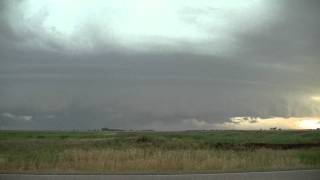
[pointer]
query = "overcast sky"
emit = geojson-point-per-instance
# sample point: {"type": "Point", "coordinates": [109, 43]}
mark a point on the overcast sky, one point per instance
{"type": "Point", "coordinates": [159, 64]}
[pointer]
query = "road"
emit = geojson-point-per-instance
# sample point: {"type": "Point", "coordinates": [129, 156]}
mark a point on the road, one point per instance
{"type": "Point", "coordinates": [275, 175]}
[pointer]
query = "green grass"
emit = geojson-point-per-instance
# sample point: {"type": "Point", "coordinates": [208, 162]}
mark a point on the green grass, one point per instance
{"type": "Point", "coordinates": [274, 137]}
{"type": "Point", "coordinates": [156, 151]}
{"type": "Point", "coordinates": [15, 135]}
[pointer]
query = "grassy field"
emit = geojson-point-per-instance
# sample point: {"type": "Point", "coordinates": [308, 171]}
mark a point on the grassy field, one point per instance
{"type": "Point", "coordinates": [158, 151]}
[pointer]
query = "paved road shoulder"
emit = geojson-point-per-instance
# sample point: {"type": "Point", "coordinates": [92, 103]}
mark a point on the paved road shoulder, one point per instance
{"type": "Point", "coordinates": [275, 175]}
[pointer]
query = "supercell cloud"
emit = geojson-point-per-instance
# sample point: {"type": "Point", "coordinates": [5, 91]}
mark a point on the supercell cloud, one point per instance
{"type": "Point", "coordinates": [165, 65]}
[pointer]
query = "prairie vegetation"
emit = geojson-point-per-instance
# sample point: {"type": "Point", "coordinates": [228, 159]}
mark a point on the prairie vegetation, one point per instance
{"type": "Point", "coordinates": [158, 151]}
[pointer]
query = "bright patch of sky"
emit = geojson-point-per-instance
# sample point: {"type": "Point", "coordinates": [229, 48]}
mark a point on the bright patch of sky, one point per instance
{"type": "Point", "coordinates": [137, 24]}
{"type": "Point", "coordinates": [255, 123]}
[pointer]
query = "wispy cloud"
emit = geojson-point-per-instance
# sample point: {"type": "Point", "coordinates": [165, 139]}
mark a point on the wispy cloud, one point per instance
{"type": "Point", "coordinates": [9, 115]}
{"type": "Point", "coordinates": [17, 117]}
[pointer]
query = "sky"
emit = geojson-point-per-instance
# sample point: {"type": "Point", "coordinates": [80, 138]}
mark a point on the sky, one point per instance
{"type": "Point", "coordinates": [159, 64]}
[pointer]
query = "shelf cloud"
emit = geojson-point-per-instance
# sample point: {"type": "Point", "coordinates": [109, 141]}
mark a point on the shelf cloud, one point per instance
{"type": "Point", "coordinates": [165, 65]}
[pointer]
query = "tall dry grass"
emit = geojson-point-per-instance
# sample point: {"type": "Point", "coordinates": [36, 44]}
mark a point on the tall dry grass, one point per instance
{"type": "Point", "coordinates": [176, 151]}
{"type": "Point", "coordinates": [174, 160]}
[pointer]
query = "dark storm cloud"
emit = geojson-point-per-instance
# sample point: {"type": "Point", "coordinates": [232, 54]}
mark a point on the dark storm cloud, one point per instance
{"type": "Point", "coordinates": [266, 75]}
{"type": "Point", "coordinates": [294, 38]}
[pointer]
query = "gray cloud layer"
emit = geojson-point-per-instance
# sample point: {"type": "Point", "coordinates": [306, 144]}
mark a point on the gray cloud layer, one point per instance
{"type": "Point", "coordinates": [272, 71]}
